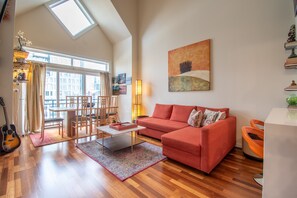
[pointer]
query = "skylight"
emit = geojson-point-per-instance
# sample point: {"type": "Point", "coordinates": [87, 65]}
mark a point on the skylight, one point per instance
{"type": "Point", "coordinates": [72, 15]}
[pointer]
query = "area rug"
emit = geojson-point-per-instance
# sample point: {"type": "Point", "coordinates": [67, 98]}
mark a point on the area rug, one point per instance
{"type": "Point", "coordinates": [49, 138]}
{"type": "Point", "coordinates": [124, 163]}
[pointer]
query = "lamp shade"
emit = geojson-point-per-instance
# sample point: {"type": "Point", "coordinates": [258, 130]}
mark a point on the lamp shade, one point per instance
{"type": "Point", "coordinates": [138, 87]}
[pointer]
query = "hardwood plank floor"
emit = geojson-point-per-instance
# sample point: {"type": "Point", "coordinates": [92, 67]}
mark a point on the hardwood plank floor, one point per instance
{"type": "Point", "coordinates": [62, 170]}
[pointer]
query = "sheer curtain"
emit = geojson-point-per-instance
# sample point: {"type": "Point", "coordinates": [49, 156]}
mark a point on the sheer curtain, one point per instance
{"type": "Point", "coordinates": [35, 88]}
{"type": "Point", "coordinates": [105, 89]}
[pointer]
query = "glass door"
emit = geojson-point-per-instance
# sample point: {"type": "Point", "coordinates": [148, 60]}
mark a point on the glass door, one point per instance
{"type": "Point", "coordinates": [70, 84]}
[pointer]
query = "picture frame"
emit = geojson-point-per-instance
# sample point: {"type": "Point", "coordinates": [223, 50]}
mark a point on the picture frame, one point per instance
{"type": "Point", "coordinates": [121, 79]}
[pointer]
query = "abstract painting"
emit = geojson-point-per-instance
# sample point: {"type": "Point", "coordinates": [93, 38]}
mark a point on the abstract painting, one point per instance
{"type": "Point", "coordinates": [189, 67]}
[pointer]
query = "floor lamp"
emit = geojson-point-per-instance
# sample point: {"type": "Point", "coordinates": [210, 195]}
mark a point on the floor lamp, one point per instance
{"type": "Point", "coordinates": [138, 96]}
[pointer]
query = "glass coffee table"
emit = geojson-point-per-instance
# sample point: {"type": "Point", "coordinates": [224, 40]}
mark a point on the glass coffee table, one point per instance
{"type": "Point", "coordinates": [119, 139]}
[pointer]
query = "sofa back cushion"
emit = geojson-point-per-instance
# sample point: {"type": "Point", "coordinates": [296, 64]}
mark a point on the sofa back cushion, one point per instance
{"type": "Point", "coordinates": [226, 110]}
{"type": "Point", "coordinates": [181, 113]}
{"type": "Point", "coordinates": [162, 111]}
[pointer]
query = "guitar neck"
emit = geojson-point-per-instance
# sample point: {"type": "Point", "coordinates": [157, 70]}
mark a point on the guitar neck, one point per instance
{"type": "Point", "coordinates": [6, 118]}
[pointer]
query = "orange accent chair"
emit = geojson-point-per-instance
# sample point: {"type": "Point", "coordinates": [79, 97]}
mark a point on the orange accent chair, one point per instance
{"type": "Point", "coordinates": [255, 139]}
{"type": "Point", "coordinates": [258, 124]}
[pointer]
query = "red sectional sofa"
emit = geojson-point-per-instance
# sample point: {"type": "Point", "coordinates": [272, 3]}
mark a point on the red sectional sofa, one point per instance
{"type": "Point", "coordinates": [202, 148]}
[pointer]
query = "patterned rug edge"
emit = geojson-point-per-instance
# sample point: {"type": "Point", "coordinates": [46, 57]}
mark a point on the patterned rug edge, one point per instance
{"type": "Point", "coordinates": [112, 172]}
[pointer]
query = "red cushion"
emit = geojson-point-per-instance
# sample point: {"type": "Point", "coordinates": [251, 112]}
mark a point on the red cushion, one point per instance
{"type": "Point", "coordinates": [187, 139]}
{"type": "Point", "coordinates": [162, 111]}
{"type": "Point", "coordinates": [161, 124]}
{"type": "Point", "coordinates": [181, 113]}
{"type": "Point", "coordinates": [226, 110]}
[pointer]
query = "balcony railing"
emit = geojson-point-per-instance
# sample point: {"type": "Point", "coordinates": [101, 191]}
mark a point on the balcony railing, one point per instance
{"type": "Point", "coordinates": [48, 103]}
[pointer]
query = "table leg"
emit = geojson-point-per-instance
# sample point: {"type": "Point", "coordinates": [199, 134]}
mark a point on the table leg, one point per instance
{"type": "Point", "coordinates": [131, 141]}
{"type": "Point", "coordinates": [70, 117]}
{"type": "Point", "coordinates": [102, 141]}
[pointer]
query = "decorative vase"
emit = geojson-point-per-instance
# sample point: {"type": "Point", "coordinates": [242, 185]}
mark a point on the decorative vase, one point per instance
{"type": "Point", "coordinates": [292, 101]}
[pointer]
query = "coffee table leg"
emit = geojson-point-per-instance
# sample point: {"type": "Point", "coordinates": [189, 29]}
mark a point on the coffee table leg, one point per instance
{"type": "Point", "coordinates": [102, 141]}
{"type": "Point", "coordinates": [131, 141]}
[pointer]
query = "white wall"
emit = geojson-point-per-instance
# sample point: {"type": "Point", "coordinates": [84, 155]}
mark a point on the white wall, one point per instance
{"type": "Point", "coordinates": [247, 53]}
{"type": "Point", "coordinates": [6, 65]}
{"type": "Point", "coordinates": [122, 56]}
{"type": "Point", "coordinates": [45, 32]}
{"type": "Point", "coordinates": [128, 11]}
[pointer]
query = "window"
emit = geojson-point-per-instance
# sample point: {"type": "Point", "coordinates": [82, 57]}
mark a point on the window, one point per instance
{"type": "Point", "coordinates": [72, 15]}
{"type": "Point", "coordinates": [92, 86]}
{"type": "Point", "coordinates": [65, 87]}
{"type": "Point", "coordinates": [78, 63]}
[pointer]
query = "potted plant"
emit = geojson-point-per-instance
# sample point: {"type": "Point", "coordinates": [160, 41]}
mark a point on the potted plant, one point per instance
{"type": "Point", "coordinates": [20, 54]}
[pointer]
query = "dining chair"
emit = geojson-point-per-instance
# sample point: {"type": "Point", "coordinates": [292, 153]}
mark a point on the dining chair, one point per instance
{"type": "Point", "coordinates": [258, 124]}
{"type": "Point", "coordinates": [71, 101]}
{"type": "Point", "coordinates": [46, 123]}
{"type": "Point", "coordinates": [101, 111]}
{"type": "Point", "coordinates": [82, 115]}
{"type": "Point", "coordinates": [255, 139]}
{"type": "Point", "coordinates": [113, 115]}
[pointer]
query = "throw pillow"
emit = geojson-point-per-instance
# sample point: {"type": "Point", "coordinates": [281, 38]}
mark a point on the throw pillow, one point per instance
{"type": "Point", "coordinates": [221, 116]}
{"type": "Point", "coordinates": [226, 110]}
{"type": "Point", "coordinates": [195, 118]}
{"type": "Point", "coordinates": [209, 117]}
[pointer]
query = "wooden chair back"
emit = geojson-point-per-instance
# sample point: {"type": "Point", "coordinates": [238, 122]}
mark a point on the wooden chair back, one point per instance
{"type": "Point", "coordinates": [71, 101]}
{"type": "Point", "coordinates": [113, 108]}
{"type": "Point", "coordinates": [102, 110]}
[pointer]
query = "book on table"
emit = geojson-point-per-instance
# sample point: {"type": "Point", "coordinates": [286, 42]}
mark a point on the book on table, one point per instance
{"type": "Point", "coordinates": [122, 125]}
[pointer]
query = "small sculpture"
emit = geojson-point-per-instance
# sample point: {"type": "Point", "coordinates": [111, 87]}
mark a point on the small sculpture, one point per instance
{"type": "Point", "coordinates": [291, 34]}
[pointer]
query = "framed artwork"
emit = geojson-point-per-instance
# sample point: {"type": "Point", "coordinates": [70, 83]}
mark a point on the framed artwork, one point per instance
{"type": "Point", "coordinates": [115, 90]}
{"type": "Point", "coordinates": [114, 80]}
{"type": "Point", "coordinates": [189, 67]}
{"type": "Point", "coordinates": [121, 79]}
{"type": "Point", "coordinates": [123, 89]}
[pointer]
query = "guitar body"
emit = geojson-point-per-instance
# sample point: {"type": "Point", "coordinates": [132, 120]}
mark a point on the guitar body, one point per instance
{"type": "Point", "coordinates": [9, 138]}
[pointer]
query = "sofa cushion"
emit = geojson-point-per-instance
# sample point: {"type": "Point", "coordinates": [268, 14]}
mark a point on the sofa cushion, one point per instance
{"type": "Point", "coordinates": [161, 124]}
{"type": "Point", "coordinates": [186, 139]}
{"type": "Point", "coordinates": [162, 111]}
{"type": "Point", "coordinates": [181, 113]}
{"type": "Point", "coordinates": [195, 118]}
{"type": "Point", "coordinates": [226, 110]}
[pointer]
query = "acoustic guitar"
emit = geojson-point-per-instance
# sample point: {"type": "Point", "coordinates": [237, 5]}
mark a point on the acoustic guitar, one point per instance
{"type": "Point", "coordinates": [9, 139]}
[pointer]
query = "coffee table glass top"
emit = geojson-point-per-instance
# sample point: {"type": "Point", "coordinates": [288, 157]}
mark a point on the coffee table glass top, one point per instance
{"type": "Point", "coordinates": [119, 139]}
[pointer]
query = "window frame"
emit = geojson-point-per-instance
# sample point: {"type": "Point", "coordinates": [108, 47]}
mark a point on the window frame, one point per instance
{"type": "Point", "coordinates": [82, 8]}
{"type": "Point", "coordinates": [68, 67]}
{"type": "Point", "coordinates": [58, 70]}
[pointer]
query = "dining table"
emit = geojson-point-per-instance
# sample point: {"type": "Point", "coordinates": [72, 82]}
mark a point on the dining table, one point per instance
{"type": "Point", "coordinates": [70, 116]}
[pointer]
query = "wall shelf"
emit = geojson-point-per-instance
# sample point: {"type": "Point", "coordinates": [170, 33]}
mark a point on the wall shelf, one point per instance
{"type": "Point", "coordinates": [21, 65]}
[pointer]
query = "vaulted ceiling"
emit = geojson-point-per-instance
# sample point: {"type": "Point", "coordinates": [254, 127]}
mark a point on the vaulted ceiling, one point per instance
{"type": "Point", "coordinates": [103, 12]}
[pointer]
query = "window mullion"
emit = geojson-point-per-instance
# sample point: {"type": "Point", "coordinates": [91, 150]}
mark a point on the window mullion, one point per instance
{"type": "Point", "coordinates": [58, 88]}
{"type": "Point", "coordinates": [84, 83]}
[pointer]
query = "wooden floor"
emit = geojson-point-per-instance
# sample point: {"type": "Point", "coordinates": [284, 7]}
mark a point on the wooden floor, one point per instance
{"type": "Point", "coordinates": [62, 170]}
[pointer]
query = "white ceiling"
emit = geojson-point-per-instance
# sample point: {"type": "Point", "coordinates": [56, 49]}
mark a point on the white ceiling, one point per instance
{"type": "Point", "coordinates": [103, 12]}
